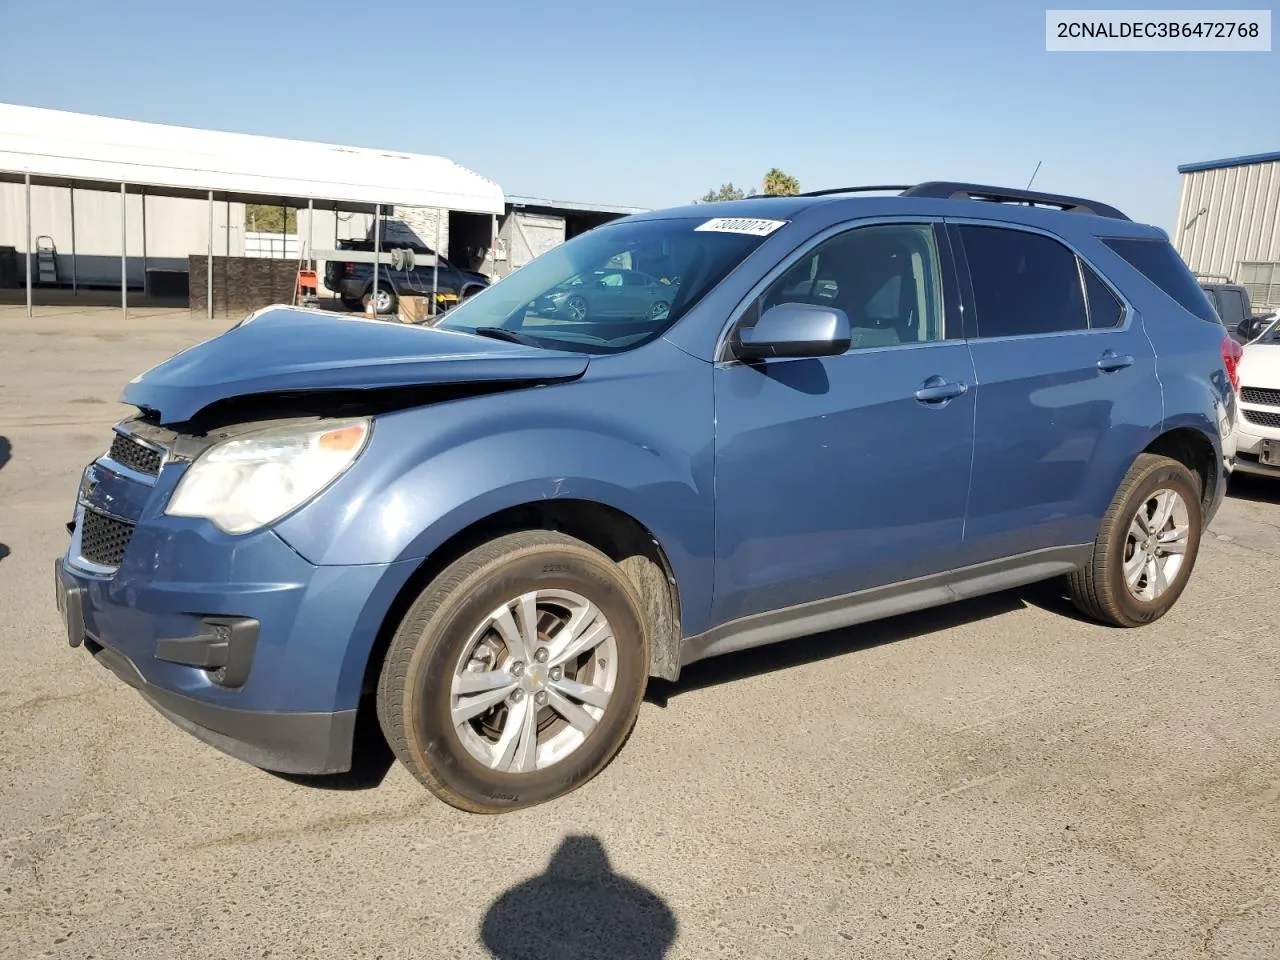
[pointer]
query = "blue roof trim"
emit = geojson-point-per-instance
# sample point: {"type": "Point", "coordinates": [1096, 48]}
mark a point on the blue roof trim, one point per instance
{"type": "Point", "coordinates": [1229, 162]}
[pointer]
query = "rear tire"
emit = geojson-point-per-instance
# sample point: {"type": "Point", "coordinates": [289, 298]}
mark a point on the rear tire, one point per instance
{"type": "Point", "coordinates": [464, 640]}
{"type": "Point", "coordinates": [1146, 546]}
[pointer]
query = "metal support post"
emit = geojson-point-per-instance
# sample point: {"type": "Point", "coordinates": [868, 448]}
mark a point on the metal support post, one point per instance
{"type": "Point", "coordinates": [311, 216]}
{"type": "Point", "coordinates": [124, 253]}
{"type": "Point", "coordinates": [435, 268]}
{"type": "Point", "coordinates": [145, 291]}
{"type": "Point", "coordinates": [377, 251]}
{"type": "Point", "coordinates": [27, 180]}
{"type": "Point", "coordinates": [209, 264]}
{"type": "Point", "coordinates": [74, 269]}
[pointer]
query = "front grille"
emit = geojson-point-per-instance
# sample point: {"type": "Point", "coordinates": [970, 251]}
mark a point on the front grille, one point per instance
{"type": "Point", "coordinates": [103, 539]}
{"type": "Point", "coordinates": [1270, 398]}
{"type": "Point", "coordinates": [128, 452]}
{"type": "Point", "coordinates": [1262, 418]}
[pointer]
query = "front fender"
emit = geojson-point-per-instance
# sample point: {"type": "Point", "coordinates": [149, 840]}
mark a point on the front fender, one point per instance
{"type": "Point", "coordinates": [640, 444]}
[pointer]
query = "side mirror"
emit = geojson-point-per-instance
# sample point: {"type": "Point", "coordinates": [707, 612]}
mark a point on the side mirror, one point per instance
{"type": "Point", "coordinates": [795, 330]}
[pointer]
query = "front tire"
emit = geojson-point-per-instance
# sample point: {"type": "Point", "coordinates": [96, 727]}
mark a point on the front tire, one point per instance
{"type": "Point", "coordinates": [386, 304]}
{"type": "Point", "coordinates": [517, 674]}
{"type": "Point", "coordinates": [1146, 546]}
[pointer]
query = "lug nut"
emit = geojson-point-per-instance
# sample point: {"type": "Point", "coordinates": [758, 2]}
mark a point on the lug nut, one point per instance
{"type": "Point", "coordinates": [517, 696]}
{"type": "Point", "coordinates": [540, 698]}
{"type": "Point", "coordinates": [556, 674]}
{"type": "Point", "coordinates": [541, 655]}
{"type": "Point", "coordinates": [517, 668]}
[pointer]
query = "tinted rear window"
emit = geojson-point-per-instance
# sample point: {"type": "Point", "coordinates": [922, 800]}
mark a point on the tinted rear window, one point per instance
{"type": "Point", "coordinates": [1159, 262]}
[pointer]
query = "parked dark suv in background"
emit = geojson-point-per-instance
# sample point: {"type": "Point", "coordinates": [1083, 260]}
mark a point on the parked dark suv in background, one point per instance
{"type": "Point", "coordinates": [353, 281]}
{"type": "Point", "coordinates": [491, 532]}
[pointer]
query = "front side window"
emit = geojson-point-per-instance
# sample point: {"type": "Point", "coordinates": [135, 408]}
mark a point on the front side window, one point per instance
{"type": "Point", "coordinates": [1023, 283]}
{"type": "Point", "coordinates": [609, 289]}
{"type": "Point", "coordinates": [884, 277]}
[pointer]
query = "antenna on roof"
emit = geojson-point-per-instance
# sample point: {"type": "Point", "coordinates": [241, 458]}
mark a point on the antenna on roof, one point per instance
{"type": "Point", "coordinates": [1033, 174]}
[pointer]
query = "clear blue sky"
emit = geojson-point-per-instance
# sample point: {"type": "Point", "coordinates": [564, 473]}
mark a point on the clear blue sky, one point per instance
{"type": "Point", "coordinates": [653, 102]}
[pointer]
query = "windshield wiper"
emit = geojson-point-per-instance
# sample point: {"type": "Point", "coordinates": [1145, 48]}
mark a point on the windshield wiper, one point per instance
{"type": "Point", "coordinates": [502, 333]}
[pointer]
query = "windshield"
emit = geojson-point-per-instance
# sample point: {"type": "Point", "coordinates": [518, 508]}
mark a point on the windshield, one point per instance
{"type": "Point", "coordinates": [609, 289]}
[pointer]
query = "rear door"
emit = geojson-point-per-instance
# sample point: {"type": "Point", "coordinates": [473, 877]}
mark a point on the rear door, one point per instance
{"type": "Point", "coordinates": [1066, 387]}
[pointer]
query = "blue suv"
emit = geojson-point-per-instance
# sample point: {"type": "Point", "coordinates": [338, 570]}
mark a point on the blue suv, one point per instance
{"type": "Point", "coordinates": [493, 531]}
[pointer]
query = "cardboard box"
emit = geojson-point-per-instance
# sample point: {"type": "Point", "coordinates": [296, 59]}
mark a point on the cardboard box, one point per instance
{"type": "Point", "coordinates": [414, 309]}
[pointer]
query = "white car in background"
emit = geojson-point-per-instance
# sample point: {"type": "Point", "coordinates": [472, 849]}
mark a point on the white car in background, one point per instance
{"type": "Point", "coordinates": [1257, 432]}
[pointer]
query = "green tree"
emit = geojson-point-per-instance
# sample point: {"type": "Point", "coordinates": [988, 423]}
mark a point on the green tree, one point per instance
{"type": "Point", "coordinates": [779, 184]}
{"type": "Point", "coordinates": [265, 218]}
{"type": "Point", "coordinates": [727, 191]}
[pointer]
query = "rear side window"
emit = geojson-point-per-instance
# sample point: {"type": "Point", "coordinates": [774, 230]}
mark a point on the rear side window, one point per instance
{"type": "Point", "coordinates": [1159, 262]}
{"type": "Point", "coordinates": [1232, 311]}
{"type": "Point", "coordinates": [1023, 283]}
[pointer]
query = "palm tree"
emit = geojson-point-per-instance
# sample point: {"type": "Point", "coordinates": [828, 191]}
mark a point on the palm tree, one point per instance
{"type": "Point", "coordinates": [779, 184]}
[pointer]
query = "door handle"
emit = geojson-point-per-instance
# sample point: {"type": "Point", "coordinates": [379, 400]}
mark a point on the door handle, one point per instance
{"type": "Point", "coordinates": [1111, 361]}
{"type": "Point", "coordinates": [936, 390]}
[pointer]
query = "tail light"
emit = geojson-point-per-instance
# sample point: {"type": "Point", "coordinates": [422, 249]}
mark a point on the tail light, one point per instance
{"type": "Point", "coordinates": [1231, 354]}
{"type": "Point", "coordinates": [348, 269]}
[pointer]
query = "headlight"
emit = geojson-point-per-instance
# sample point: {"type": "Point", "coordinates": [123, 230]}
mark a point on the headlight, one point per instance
{"type": "Point", "coordinates": [246, 483]}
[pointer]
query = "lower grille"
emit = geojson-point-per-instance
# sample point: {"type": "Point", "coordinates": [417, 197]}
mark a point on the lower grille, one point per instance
{"type": "Point", "coordinates": [104, 539]}
{"type": "Point", "coordinates": [1262, 395]}
{"type": "Point", "coordinates": [1262, 418]}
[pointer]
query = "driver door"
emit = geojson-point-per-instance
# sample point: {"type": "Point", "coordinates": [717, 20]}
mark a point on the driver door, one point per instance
{"type": "Point", "coordinates": [838, 474]}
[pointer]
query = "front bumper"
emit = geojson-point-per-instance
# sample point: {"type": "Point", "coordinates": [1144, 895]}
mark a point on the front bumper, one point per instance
{"type": "Point", "coordinates": [1249, 450]}
{"type": "Point", "coordinates": [286, 742]}
{"type": "Point", "coordinates": [238, 641]}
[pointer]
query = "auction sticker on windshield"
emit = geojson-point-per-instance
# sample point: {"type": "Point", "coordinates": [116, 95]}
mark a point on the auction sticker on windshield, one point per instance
{"type": "Point", "coordinates": [756, 228]}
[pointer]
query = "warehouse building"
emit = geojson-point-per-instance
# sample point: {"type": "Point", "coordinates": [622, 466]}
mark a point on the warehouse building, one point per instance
{"type": "Point", "coordinates": [102, 209]}
{"type": "Point", "coordinates": [1228, 225]}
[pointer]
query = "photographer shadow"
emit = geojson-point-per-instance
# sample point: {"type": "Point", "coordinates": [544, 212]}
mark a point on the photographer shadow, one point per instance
{"type": "Point", "coordinates": [579, 909]}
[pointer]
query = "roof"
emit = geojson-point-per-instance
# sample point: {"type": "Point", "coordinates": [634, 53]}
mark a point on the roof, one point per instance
{"type": "Point", "coordinates": [1229, 162]}
{"type": "Point", "coordinates": [571, 205]}
{"type": "Point", "coordinates": [61, 149]}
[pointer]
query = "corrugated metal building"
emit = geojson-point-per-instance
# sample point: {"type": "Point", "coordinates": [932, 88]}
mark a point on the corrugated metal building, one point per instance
{"type": "Point", "coordinates": [1229, 222]}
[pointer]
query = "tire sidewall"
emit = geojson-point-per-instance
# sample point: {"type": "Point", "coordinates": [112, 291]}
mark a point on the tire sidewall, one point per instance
{"type": "Point", "coordinates": [430, 734]}
{"type": "Point", "coordinates": [1170, 475]}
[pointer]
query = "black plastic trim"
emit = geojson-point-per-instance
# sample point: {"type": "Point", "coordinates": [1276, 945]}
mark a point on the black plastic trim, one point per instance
{"type": "Point", "coordinates": [950, 190]}
{"type": "Point", "coordinates": [890, 600]}
{"type": "Point", "coordinates": [225, 649]}
{"type": "Point", "coordinates": [299, 743]}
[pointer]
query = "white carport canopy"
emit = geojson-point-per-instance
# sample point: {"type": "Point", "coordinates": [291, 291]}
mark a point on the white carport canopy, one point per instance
{"type": "Point", "coordinates": [81, 151]}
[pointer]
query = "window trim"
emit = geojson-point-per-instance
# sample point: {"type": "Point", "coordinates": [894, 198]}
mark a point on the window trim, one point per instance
{"type": "Point", "coordinates": [968, 299]}
{"type": "Point", "coordinates": [946, 265]}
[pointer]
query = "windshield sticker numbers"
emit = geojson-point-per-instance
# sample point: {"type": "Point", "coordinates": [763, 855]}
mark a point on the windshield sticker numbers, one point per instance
{"type": "Point", "coordinates": [747, 225]}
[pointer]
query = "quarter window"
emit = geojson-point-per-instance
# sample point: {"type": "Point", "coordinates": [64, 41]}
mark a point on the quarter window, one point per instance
{"type": "Point", "coordinates": [1104, 309]}
{"type": "Point", "coordinates": [1023, 283]}
{"type": "Point", "coordinates": [885, 278]}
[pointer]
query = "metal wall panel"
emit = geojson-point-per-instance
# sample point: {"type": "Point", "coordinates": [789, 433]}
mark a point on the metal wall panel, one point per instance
{"type": "Point", "coordinates": [1227, 216]}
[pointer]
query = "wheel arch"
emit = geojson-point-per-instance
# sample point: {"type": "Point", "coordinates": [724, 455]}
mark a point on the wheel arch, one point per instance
{"type": "Point", "coordinates": [613, 532]}
{"type": "Point", "coordinates": [1190, 446]}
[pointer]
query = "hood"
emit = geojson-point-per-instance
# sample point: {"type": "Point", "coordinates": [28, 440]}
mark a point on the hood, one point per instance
{"type": "Point", "coordinates": [287, 351]}
{"type": "Point", "coordinates": [1260, 365]}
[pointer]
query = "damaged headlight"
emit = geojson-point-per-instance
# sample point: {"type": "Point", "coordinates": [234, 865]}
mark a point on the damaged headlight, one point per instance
{"type": "Point", "coordinates": [247, 482]}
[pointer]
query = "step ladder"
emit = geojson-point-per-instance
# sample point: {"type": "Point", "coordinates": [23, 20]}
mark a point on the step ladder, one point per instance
{"type": "Point", "coordinates": [46, 260]}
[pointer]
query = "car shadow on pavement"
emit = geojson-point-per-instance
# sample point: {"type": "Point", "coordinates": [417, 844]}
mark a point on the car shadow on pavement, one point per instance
{"type": "Point", "coordinates": [1244, 486]}
{"type": "Point", "coordinates": [835, 643]}
{"type": "Point", "coordinates": [579, 908]}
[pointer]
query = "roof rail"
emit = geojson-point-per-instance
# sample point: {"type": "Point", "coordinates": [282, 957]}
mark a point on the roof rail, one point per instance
{"type": "Point", "coordinates": [947, 190]}
{"type": "Point", "coordinates": [832, 190]}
